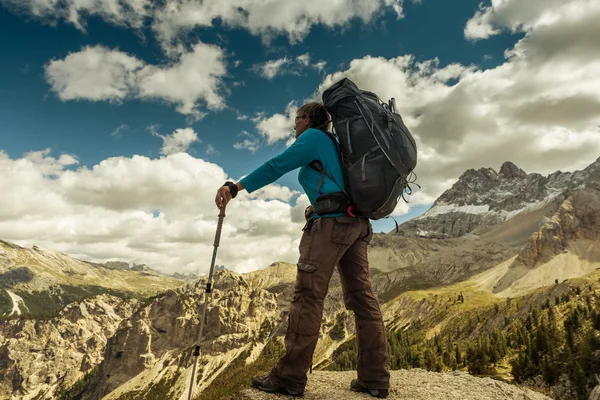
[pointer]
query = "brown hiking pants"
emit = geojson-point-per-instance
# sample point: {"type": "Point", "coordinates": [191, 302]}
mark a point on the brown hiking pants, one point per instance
{"type": "Point", "coordinates": [328, 242]}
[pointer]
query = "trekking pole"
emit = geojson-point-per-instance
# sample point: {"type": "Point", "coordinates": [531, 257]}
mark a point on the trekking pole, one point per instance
{"type": "Point", "coordinates": [206, 295]}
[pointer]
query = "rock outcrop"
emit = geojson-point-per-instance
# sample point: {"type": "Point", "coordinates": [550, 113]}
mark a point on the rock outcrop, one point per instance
{"type": "Point", "coordinates": [39, 357]}
{"type": "Point", "coordinates": [414, 384]}
{"type": "Point", "coordinates": [578, 218]}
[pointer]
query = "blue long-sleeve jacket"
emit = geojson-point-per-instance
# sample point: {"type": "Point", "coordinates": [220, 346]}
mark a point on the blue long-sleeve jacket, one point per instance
{"type": "Point", "coordinates": [312, 144]}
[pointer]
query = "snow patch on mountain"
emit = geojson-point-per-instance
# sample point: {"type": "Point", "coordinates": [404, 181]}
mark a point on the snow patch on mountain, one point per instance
{"type": "Point", "coordinates": [16, 301]}
{"type": "Point", "coordinates": [441, 209]}
{"type": "Point", "coordinates": [448, 208]}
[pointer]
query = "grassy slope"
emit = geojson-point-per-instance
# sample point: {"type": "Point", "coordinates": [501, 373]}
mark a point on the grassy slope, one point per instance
{"type": "Point", "coordinates": [49, 280]}
{"type": "Point", "coordinates": [423, 315]}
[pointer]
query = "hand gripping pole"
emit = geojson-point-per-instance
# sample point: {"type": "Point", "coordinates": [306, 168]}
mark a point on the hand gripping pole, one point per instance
{"type": "Point", "coordinates": [206, 297]}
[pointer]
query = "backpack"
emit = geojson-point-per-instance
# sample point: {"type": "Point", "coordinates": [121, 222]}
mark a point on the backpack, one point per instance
{"type": "Point", "coordinates": [377, 151]}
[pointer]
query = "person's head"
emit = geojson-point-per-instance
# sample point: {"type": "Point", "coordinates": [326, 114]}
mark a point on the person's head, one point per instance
{"type": "Point", "coordinates": [311, 115]}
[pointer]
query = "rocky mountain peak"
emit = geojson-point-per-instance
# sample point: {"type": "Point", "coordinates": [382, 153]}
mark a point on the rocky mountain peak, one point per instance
{"type": "Point", "coordinates": [511, 171]}
{"type": "Point", "coordinates": [482, 199]}
{"type": "Point", "coordinates": [481, 174]}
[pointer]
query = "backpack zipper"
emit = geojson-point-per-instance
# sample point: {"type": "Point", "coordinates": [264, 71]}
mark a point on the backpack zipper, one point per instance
{"type": "Point", "coordinates": [348, 134]}
{"type": "Point", "coordinates": [364, 173]}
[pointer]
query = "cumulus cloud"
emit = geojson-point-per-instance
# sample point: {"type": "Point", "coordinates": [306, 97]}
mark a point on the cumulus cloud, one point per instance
{"type": "Point", "coordinates": [101, 74]}
{"type": "Point", "coordinates": [248, 144]}
{"type": "Point", "coordinates": [251, 143]}
{"type": "Point", "coordinates": [274, 192]}
{"type": "Point", "coordinates": [170, 20]}
{"type": "Point", "coordinates": [94, 73]}
{"type": "Point", "coordinates": [177, 142]}
{"type": "Point", "coordinates": [265, 19]}
{"type": "Point", "coordinates": [304, 59]}
{"type": "Point", "coordinates": [270, 69]}
{"type": "Point", "coordinates": [137, 209]}
{"type": "Point", "coordinates": [131, 13]}
{"type": "Point", "coordinates": [525, 16]}
{"type": "Point", "coordinates": [277, 127]}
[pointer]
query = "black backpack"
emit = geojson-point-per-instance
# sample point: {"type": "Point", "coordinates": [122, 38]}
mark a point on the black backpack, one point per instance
{"type": "Point", "coordinates": [378, 152]}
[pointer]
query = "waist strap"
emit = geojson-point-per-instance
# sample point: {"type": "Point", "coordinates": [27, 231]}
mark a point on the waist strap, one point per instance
{"type": "Point", "coordinates": [332, 203]}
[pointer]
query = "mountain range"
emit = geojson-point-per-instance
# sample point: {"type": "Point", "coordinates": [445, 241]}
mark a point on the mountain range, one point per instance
{"type": "Point", "coordinates": [492, 249]}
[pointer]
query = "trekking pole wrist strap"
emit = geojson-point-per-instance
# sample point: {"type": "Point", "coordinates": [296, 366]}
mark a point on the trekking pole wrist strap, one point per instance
{"type": "Point", "coordinates": [232, 188]}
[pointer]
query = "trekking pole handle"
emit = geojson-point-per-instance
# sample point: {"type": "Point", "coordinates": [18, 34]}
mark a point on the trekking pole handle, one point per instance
{"type": "Point", "coordinates": [219, 226]}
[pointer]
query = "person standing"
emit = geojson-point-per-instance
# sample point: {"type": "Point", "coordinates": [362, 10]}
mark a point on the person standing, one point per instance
{"type": "Point", "coordinates": [328, 240]}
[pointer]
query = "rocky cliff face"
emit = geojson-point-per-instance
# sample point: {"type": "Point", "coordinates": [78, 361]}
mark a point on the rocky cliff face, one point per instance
{"type": "Point", "coordinates": [566, 245]}
{"type": "Point", "coordinates": [57, 314]}
{"type": "Point", "coordinates": [152, 351]}
{"type": "Point", "coordinates": [482, 199]}
{"type": "Point", "coordinates": [577, 219]}
{"type": "Point", "coordinates": [39, 357]}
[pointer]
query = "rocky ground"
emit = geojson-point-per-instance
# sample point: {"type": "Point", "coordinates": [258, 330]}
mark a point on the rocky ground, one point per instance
{"type": "Point", "coordinates": [414, 384]}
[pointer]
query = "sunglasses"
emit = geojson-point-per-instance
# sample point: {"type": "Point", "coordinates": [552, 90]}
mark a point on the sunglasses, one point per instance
{"type": "Point", "coordinates": [300, 116]}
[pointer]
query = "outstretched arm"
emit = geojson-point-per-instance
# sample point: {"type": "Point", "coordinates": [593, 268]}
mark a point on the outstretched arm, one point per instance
{"type": "Point", "coordinates": [300, 153]}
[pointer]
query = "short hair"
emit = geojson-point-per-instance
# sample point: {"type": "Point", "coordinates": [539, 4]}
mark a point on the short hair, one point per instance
{"type": "Point", "coordinates": [319, 117]}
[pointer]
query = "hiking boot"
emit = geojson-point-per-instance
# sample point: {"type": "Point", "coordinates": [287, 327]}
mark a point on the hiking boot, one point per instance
{"type": "Point", "coordinates": [264, 384]}
{"type": "Point", "coordinates": [358, 386]}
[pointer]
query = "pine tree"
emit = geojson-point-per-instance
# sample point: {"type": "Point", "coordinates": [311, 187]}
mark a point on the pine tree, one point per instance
{"type": "Point", "coordinates": [457, 356]}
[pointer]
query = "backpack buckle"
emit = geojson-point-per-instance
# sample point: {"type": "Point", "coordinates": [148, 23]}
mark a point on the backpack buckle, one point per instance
{"type": "Point", "coordinates": [349, 211]}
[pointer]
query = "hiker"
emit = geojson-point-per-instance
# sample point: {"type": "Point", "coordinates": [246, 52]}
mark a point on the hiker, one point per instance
{"type": "Point", "coordinates": [336, 238]}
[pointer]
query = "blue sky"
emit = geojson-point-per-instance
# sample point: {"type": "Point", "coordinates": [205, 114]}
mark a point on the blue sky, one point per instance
{"type": "Point", "coordinates": [47, 98]}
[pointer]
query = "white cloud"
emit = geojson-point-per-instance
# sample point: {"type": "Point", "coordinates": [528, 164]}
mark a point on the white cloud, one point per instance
{"type": "Point", "coordinates": [101, 74]}
{"type": "Point", "coordinates": [517, 15]}
{"type": "Point", "coordinates": [397, 6]}
{"type": "Point", "coordinates": [279, 126]}
{"type": "Point", "coordinates": [120, 128]}
{"type": "Point", "coordinates": [94, 73]}
{"type": "Point", "coordinates": [196, 76]}
{"type": "Point", "coordinates": [479, 26]}
{"type": "Point", "coordinates": [241, 117]}
{"type": "Point", "coordinates": [320, 65]}
{"type": "Point", "coordinates": [248, 144]}
{"type": "Point", "coordinates": [210, 150]}
{"type": "Point", "coordinates": [177, 142]}
{"type": "Point", "coordinates": [173, 19]}
{"type": "Point", "coordinates": [297, 212]}
{"type": "Point", "coordinates": [107, 212]}
{"type": "Point", "coordinates": [304, 59]}
{"type": "Point", "coordinates": [286, 66]}
{"type": "Point", "coordinates": [131, 13]}
{"type": "Point", "coordinates": [274, 192]}
{"type": "Point", "coordinates": [270, 69]}
{"type": "Point", "coordinates": [268, 19]}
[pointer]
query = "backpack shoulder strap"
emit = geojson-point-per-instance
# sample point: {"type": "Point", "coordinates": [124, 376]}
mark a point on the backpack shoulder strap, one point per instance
{"type": "Point", "coordinates": [316, 165]}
